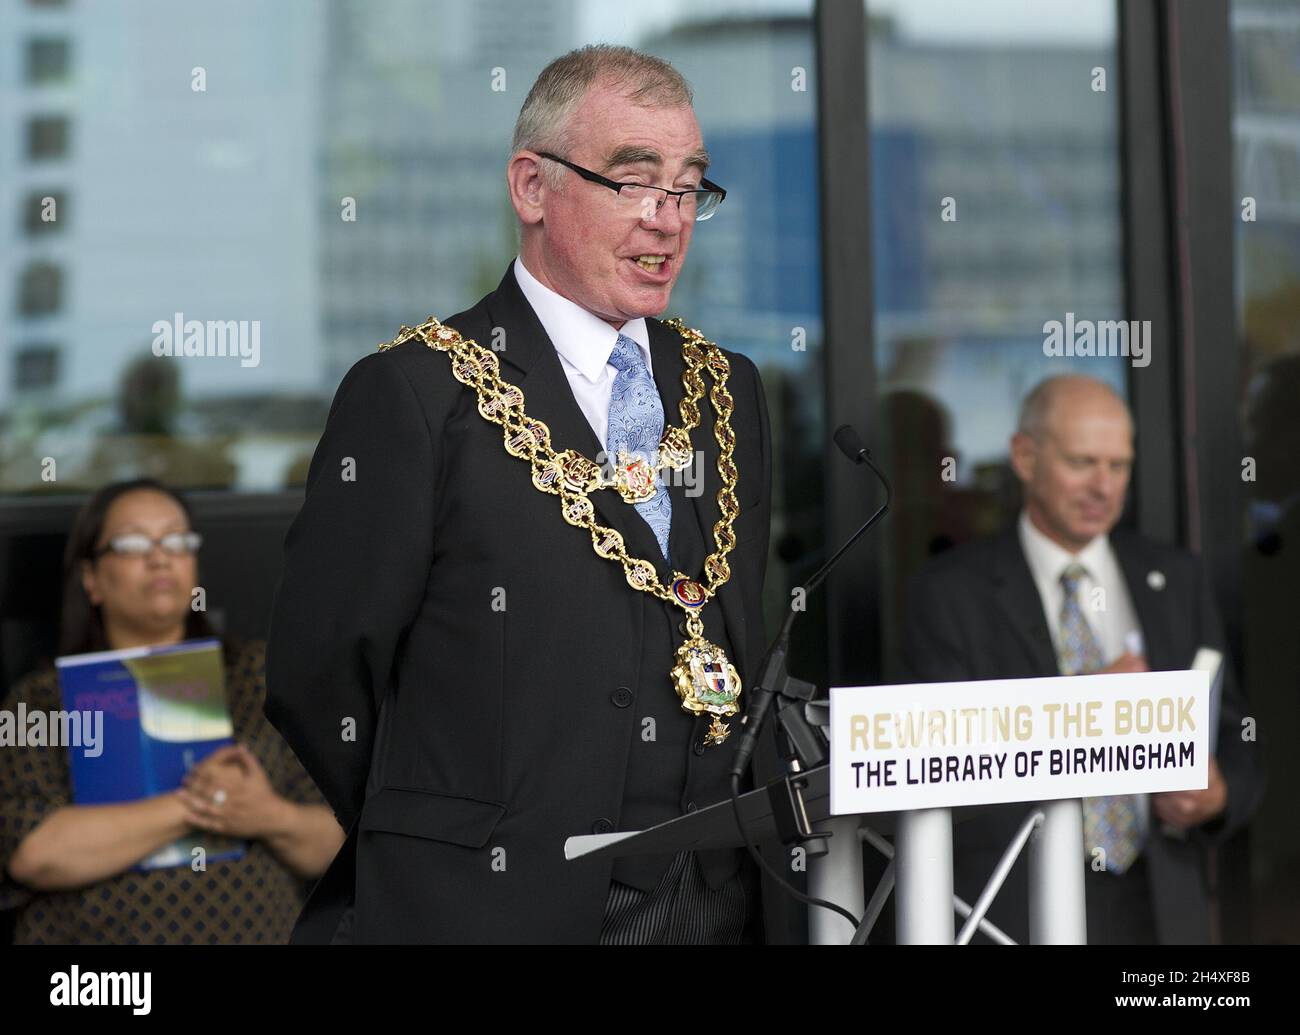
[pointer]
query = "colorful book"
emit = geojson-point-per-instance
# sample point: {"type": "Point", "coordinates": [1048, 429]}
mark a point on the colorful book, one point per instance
{"type": "Point", "coordinates": [164, 710]}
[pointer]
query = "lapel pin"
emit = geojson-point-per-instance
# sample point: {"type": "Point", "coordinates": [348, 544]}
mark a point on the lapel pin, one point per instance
{"type": "Point", "coordinates": [1156, 580]}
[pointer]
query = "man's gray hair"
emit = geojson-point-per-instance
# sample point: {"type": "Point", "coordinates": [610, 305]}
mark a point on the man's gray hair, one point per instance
{"type": "Point", "coordinates": [543, 123]}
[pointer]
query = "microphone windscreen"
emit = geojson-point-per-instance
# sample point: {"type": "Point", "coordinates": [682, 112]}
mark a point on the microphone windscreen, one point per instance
{"type": "Point", "coordinates": [849, 442]}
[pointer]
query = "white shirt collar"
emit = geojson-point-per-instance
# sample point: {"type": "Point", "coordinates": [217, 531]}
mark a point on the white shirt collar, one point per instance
{"type": "Point", "coordinates": [1048, 559]}
{"type": "Point", "coordinates": [580, 337]}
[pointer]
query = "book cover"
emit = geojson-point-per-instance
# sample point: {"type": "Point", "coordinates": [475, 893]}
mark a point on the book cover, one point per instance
{"type": "Point", "coordinates": [164, 710]}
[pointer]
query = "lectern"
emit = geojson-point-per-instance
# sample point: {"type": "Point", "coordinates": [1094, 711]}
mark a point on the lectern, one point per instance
{"type": "Point", "coordinates": [920, 864]}
{"type": "Point", "coordinates": [912, 760]}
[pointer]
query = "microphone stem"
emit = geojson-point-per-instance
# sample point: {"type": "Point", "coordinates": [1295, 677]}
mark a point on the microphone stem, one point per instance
{"type": "Point", "coordinates": [771, 683]}
{"type": "Point", "coordinates": [815, 579]}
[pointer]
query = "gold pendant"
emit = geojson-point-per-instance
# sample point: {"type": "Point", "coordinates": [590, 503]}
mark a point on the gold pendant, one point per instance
{"type": "Point", "coordinates": [706, 680]}
{"type": "Point", "coordinates": [633, 478]}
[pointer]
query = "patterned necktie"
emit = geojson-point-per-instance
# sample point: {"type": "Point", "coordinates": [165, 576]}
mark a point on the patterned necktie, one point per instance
{"type": "Point", "coordinates": [1111, 822]}
{"type": "Point", "coordinates": [636, 423]}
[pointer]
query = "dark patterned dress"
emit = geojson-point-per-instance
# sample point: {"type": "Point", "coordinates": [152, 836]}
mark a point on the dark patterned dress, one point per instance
{"type": "Point", "coordinates": [252, 899]}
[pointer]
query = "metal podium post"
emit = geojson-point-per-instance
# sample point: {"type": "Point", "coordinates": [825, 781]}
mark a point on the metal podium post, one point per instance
{"type": "Point", "coordinates": [923, 864]}
{"type": "Point", "coordinates": [836, 877]}
{"type": "Point", "coordinates": [1057, 910]}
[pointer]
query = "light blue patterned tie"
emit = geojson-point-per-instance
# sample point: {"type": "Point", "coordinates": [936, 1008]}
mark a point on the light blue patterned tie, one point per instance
{"type": "Point", "coordinates": [1111, 823]}
{"type": "Point", "coordinates": [636, 423]}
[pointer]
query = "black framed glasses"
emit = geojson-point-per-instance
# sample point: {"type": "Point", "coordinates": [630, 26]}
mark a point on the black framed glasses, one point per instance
{"type": "Point", "coordinates": [697, 203]}
{"type": "Point", "coordinates": [137, 544]}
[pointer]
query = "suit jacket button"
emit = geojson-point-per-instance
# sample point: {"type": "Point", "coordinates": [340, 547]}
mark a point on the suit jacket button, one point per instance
{"type": "Point", "coordinates": [681, 628]}
{"type": "Point", "coordinates": [698, 747]}
{"type": "Point", "coordinates": [602, 826]}
{"type": "Point", "coordinates": [621, 697]}
{"type": "Point", "coordinates": [691, 806]}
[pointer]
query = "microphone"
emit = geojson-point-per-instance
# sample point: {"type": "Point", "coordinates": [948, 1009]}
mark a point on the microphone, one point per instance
{"type": "Point", "coordinates": [850, 443]}
{"type": "Point", "coordinates": [773, 677]}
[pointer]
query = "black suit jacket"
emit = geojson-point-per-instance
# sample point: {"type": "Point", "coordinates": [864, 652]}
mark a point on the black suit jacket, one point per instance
{"type": "Point", "coordinates": [445, 649]}
{"type": "Point", "coordinates": [975, 613]}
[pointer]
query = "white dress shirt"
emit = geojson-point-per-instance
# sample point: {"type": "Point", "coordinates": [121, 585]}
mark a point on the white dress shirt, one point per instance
{"type": "Point", "coordinates": [585, 342]}
{"type": "Point", "coordinates": [1114, 624]}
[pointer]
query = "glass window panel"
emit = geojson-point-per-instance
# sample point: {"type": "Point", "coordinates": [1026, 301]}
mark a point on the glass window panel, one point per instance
{"type": "Point", "coordinates": [1266, 132]}
{"type": "Point", "coordinates": [47, 137]}
{"type": "Point", "coordinates": [995, 210]}
{"type": "Point", "coordinates": [48, 60]}
{"type": "Point", "coordinates": [36, 367]}
{"type": "Point", "coordinates": [40, 290]}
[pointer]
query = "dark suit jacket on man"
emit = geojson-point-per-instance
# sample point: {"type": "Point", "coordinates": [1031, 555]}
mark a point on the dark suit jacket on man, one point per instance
{"type": "Point", "coordinates": [975, 613]}
{"type": "Point", "coordinates": [480, 737]}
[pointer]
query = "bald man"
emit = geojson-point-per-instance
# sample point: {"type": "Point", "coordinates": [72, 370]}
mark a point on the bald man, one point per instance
{"type": "Point", "coordinates": [1020, 604]}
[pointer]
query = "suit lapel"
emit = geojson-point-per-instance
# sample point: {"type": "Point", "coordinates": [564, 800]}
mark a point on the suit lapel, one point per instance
{"type": "Point", "coordinates": [1017, 595]}
{"type": "Point", "coordinates": [1152, 610]}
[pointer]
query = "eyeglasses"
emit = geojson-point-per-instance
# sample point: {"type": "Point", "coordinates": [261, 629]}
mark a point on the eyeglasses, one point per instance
{"type": "Point", "coordinates": [697, 204]}
{"type": "Point", "coordinates": [137, 544]}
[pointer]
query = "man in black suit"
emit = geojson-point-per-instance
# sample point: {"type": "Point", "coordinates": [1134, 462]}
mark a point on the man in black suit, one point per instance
{"type": "Point", "coordinates": [467, 680]}
{"type": "Point", "coordinates": [1064, 591]}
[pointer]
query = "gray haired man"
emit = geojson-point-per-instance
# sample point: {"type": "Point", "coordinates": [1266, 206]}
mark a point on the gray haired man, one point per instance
{"type": "Point", "coordinates": [526, 626]}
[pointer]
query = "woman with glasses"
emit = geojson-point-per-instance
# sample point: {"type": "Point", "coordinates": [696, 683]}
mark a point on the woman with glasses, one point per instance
{"type": "Point", "coordinates": [130, 570]}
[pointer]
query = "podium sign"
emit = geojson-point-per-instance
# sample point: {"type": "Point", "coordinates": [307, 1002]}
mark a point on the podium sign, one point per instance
{"type": "Point", "coordinates": [937, 745]}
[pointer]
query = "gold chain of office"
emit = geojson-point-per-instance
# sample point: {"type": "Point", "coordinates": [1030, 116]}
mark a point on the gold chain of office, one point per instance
{"type": "Point", "coordinates": [703, 676]}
